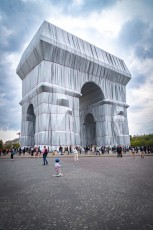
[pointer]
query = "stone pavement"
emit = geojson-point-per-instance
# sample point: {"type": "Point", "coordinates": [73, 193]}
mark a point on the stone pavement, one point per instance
{"type": "Point", "coordinates": [89, 154]}
{"type": "Point", "coordinates": [107, 193]}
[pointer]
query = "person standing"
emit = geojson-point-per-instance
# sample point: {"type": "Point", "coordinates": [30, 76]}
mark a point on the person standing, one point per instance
{"type": "Point", "coordinates": [39, 152]}
{"type": "Point", "coordinates": [60, 150]}
{"type": "Point", "coordinates": [102, 149]}
{"type": "Point", "coordinates": [70, 149]}
{"type": "Point", "coordinates": [119, 151]}
{"type": "Point", "coordinates": [76, 154]}
{"type": "Point", "coordinates": [45, 152]}
{"type": "Point", "coordinates": [97, 150]}
{"type": "Point", "coordinates": [36, 152]}
{"type": "Point", "coordinates": [133, 152]}
{"type": "Point", "coordinates": [20, 151]}
{"type": "Point", "coordinates": [57, 167]}
{"type": "Point", "coordinates": [12, 153]}
{"type": "Point", "coordinates": [142, 152]}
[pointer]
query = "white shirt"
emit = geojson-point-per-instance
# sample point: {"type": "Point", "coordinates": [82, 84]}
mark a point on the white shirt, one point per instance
{"type": "Point", "coordinates": [75, 151]}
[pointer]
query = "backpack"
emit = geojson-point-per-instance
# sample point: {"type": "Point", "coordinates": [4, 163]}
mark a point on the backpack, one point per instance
{"type": "Point", "coordinates": [46, 151]}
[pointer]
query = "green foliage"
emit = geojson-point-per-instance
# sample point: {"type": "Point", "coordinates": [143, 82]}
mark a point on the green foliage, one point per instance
{"type": "Point", "coordinates": [5, 146]}
{"type": "Point", "coordinates": [16, 146]}
{"type": "Point", "coordinates": [8, 146]}
{"type": "Point", "coordinates": [144, 140]}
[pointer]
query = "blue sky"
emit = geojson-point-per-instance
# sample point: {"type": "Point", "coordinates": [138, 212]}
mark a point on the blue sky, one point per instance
{"type": "Point", "coordinates": [121, 27]}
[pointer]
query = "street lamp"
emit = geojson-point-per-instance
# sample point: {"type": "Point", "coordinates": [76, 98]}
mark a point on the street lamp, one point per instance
{"type": "Point", "coordinates": [19, 136]}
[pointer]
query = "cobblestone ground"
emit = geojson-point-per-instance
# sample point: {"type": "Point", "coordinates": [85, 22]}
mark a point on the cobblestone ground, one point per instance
{"type": "Point", "coordinates": [95, 193]}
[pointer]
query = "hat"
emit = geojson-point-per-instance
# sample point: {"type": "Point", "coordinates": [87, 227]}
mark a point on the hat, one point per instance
{"type": "Point", "coordinates": [57, 160]}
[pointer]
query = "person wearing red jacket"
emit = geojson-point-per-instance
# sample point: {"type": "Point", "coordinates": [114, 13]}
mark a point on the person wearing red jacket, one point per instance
{"type": "Point", "coordinates": [45, 152]}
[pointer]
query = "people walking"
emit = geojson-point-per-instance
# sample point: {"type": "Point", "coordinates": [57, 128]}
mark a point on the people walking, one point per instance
{"type": "Point", "coordinates": [45, 152]}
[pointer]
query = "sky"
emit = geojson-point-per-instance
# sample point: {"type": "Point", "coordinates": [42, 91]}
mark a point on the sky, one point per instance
{"type": "Point", "coordinates": [123, 28]}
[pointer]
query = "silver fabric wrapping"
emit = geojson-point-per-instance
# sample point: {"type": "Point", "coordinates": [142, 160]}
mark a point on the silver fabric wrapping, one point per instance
{"type": "Point", "coordinates": [73, 93]}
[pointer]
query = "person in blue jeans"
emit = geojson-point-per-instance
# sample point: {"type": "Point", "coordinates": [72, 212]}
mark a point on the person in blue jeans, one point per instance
{"type": "Point", "coordinates": [45, 152]}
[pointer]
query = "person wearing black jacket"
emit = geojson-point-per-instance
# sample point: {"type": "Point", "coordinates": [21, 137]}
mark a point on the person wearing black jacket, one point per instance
{"type": "Point", "coordinates": [119, 151]}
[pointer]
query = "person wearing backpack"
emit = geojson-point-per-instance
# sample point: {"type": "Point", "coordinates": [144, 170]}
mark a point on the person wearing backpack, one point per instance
{"type": "Point", "coordinates": [45, 152]}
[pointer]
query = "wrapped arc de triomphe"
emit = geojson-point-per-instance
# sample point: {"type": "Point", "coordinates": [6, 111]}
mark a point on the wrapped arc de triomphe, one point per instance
{"type": "Point", "coordinates": [73, 93]}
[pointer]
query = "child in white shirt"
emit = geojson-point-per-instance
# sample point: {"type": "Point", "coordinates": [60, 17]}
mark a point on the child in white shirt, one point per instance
{"type": "Point", "coordinates": [58, 167]}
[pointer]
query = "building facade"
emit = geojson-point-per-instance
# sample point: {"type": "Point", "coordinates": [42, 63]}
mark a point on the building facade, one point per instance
{"type": "Point", "coordinates": [73, 93]}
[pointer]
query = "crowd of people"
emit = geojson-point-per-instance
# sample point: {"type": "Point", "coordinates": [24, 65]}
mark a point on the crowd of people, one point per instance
{"type": "Point", "coordinates": [97, 150]}
{"type": "Point", "coordinates": [75, 150]}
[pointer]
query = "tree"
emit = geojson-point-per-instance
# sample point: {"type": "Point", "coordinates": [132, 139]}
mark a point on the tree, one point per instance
{"type": "Point", "coordinates": [1, 144]}
{"type": "Point", "coordinates": [142, 140]}
{"type": "Point", "coordinates": [16, 146]}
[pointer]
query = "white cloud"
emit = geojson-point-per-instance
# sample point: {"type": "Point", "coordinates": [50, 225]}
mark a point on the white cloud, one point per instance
{"type": "Point", "coordinates": [6, 135]}
{"type": "Point", "coordinates": [140, 99]}
{"type": "Point", "coordinates": [97, 31]}
{"type": "Point", "coordinates": [2, 99]}
{"type": "Point", "coordinates": [78, 2]}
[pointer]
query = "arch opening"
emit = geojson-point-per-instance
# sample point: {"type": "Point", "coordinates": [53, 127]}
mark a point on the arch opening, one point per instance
{"type": "Point", "coordinates": [91, 94]}
{"type": "Point", "coordinates": [31, 124]}
{"type": "Point", "coordinates": [89, 130]}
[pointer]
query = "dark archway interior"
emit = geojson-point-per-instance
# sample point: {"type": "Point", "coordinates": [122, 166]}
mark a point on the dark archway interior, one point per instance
{"type": "Point", "coordinates": [30, 113]}
{"type": "Point", "coordinates": [89, 130]}
{"type": "Point", "coordinates": [91, 94]}
{"type": "Point", "coordinates": [89, 118]}
{"type": "Point", "coordinates": [31, 119]}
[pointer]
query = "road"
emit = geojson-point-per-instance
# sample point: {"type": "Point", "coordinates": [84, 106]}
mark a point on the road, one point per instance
{"type": "Point", "coordinates": [107, 193]}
